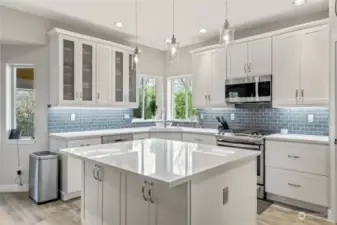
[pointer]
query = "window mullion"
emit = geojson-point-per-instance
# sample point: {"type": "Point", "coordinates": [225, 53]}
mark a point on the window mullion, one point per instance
{"type": "Point", "coordinates": [186, 101]}
{"type": "Point", "coordinates": [143, 97]}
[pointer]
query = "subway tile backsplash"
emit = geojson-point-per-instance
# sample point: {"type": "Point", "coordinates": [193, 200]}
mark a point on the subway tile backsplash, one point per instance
{"type": "Point", "coordinates": [59, 119]}
{"type": "Point", "coordinates": [246, 116]}
{"type": "Point", "coordinates": [274, 119]}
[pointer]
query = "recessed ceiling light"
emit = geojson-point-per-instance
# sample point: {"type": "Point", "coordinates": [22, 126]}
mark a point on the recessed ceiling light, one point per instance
{"type": "Point", "coordinates": [119, 24]}
{"type": "Point", "coordinates": [298, 2]}
{"type": "Point", "coordinates": [202, 30]}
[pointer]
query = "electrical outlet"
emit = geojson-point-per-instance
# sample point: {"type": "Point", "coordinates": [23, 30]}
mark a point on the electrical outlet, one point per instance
{"type": "Point", "coordinates": [232, 116]}
{"type": "Point", "coordinates": [72, 117]}
{"type": "Point", "coordinates": [126, 116]}
{"type": "Point", "coordinates": [310, 118]}
{"type": "Point", "coordinates": [201, 116]}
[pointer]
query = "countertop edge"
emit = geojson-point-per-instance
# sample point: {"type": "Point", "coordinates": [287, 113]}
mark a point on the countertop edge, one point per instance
{"type": "Point", "coordinates": [303, 139]}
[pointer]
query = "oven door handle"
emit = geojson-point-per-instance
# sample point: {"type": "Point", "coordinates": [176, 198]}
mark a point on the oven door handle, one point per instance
{"type": "Point", "coordinates": [243, 146]}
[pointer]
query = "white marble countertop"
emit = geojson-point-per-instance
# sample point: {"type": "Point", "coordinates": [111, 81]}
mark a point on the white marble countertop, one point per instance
{"type": "Point", "coordinates": [169, 162]}
{"type": "Point", "coordinates": [100, 133]}
{"type": "Point", "coordinates": [299, 138]}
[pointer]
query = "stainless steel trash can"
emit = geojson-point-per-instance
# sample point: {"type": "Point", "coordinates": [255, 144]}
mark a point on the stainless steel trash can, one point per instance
{"type": "Point", "coordinates": [43, 176]}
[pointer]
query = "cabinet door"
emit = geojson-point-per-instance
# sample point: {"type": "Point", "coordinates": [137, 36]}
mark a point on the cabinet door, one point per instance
{"type": "Point", "coordinates": [201, 75]}
{"type": "Point", "coordinates": [315, 66]}
{"type": "Point", "coordinates": [237, 60]}
{"type": "Point", "coordinates": [169, 205]}
{"type": "Point", "coordinates": [87, 73]}
{"type": "Point", "coordinates": [103, 74]}
{"type": "Point", "coordinates": [259, 57]}
{"type": "Point", "coordinates": [137, 209]}
{"type": "Point", "coordinates": [286, 69]}
{"type": "Point", "coordinates": [218, 77]}
{"type": "Point", "coordinates": [68, 74]}
{"type": "Point", "coordinates": [119, 81]}
{"type": "Point", "coordinates": [110, 192]}
{"type": "Point", "coordinates": [90, 211]}
{"type": "Point", "coordinates": [132, 82]}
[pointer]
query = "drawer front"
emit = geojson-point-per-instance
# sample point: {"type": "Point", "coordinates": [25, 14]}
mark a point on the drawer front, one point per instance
{"type": "Point", "coordinates": [141, 136]}
{"type": "Point", "coordinates": [86, 142]}
{"type": "Point", "coordinates": [200, 139]}
{"type": "Point", "coordinates": [167, 136]}
{"type": "Point", "coordinates": [296, 185]}
{"type": "Point", "coordinates": [309, 158]}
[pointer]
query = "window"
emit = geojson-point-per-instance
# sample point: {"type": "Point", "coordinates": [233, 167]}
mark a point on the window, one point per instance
{"type": "Point", "coordinates": [21, 99]}
{"type": "Point", "coordinates": [147, 92]}
{"type": "Point", "coordinates": [180, 97]}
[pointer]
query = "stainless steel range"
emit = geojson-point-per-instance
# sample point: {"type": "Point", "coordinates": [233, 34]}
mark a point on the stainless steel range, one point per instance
{"type": "Point", "coordinates": [249, 139]}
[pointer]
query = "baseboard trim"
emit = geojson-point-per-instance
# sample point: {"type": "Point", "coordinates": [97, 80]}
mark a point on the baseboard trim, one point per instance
{"type": "Point", "coordinates": [321, 210]}
{"type": "Point", "coordinates": [14, 188]}
{"type": "Point", "coordinates": [68, 196]}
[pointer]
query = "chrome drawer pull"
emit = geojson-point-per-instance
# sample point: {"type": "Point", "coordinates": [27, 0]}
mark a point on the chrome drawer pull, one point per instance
{"type": "Point", "coordinates": [197, 139]}
{"type": "Point", "coordinates": [294, 157]}
{"type": "Point", "coordinates": [294, 185]}
{"type": "Point", "coordinates": [143, 190]}
{"type": "Point", "coordinates": [150, 193]}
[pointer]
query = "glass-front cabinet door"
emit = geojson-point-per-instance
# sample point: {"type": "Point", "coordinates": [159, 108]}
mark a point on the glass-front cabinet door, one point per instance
{"type": "Point", "coordinates": [119, 83]}
{"type": "Point", "coordinates": [68, 76]}
{"type": "Point", "coordinates": [87, 75]}
{"type": "Point", "coordinates": [132, 78]}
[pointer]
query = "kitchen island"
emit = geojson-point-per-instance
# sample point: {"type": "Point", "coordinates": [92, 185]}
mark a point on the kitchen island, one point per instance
{"type": "Point", "coordinates": [163, 182]}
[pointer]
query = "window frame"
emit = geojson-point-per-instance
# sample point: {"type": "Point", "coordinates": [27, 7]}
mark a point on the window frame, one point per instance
{"type": "Point", "coordinates": [11, 102]}
{"type": "Point", "coordinates": [158, 82]}
{"type": "Point", "coordinates": [170, 97]}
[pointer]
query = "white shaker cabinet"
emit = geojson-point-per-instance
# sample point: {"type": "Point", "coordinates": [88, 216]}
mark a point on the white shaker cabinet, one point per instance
{"type": "Point", "coordinates": [209, 74]}
{"type": "Point", "coordinates": [104, 74]}
{"type": "Point", "coordinates": [259, 57]}
{"type": "Point", "coordinates": [286, 69]}
{"type": "Point", "coordinates": [237, 60]}
{"type": "Point", "coordinates": [201, 75]}
{"type": "Point", "coordinates": [252, 58]}
{"type": "Point", "coordinates": [301, 68]}
{"type": "Point", "coordinates": [315, 66]}
{"type": "Point", "coordinates": [101, 204]}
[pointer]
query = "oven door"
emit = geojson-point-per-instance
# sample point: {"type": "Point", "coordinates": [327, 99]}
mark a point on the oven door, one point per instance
{"type": "Point", "coordinates": [252, 147]}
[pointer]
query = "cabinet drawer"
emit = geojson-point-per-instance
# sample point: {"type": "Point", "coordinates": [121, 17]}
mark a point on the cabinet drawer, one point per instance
{"type": "Point", "coordinates": [86, 142]}
{"type": "Point", "coordinates": [296, 185]}
{"type": "Point", "coordinates": [310, 158]}
{"type": "Point", "coordinates": [167, 136]}
{"type": "Point", "coordinates": [141, 136]}
{"type": "Point", "coordinates": [200, 139]}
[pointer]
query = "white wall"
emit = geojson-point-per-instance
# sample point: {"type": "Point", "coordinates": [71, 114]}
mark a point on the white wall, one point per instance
{"type": "Point", "coordinates": [8, 159]}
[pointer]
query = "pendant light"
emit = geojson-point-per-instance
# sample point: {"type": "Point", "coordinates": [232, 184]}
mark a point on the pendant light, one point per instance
{"type": "Point", "coordinates": [136, 52]}
{"type": "Point", "coordinates": [173, 45]}
{"type": "Point", "coordinates": [226, 31]}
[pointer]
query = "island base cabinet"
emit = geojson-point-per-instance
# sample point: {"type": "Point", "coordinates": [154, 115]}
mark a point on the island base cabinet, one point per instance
{"type": "Point", "coordinates": [228, 198]}
{"type": "Point", "coordinates": [101, 193]}
{"type": "Point", "coordinates": [168, 206]}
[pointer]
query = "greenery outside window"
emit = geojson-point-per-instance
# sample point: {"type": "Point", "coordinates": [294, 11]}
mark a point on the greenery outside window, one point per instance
{"type": "Point", "coordinates": [21, 100]}
{"type": "Point", "coordinates": [180, 98]}
{"type": "Point", "coordinates": [147, 107]}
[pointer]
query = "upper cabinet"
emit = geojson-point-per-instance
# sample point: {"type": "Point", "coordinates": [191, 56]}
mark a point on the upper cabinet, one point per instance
{"type": "Point", "coordinates": [301, 68]}
{"type": "Point", "coordinates": [90, 72]}
{"type": "Point", "coordinates": [252, 58]}
{"type": "Point", "coordinates": [209, 74]}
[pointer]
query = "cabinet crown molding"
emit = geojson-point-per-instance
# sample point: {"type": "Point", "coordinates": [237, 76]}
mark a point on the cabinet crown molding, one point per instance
{"type": "Point", "coordinates": [59, 31]}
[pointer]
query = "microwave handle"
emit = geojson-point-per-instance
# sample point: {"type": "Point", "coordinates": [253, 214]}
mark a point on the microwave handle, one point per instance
{"type": "Point", "coordinates": [257, 80]}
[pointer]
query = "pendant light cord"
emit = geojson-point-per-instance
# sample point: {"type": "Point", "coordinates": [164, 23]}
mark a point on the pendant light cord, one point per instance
{"type": "Point", "coordinates": [226, 9]}
{"type": "Point", "coordinates": [136, 22]}
{"type": "Point", "coordinates": [173, 14]}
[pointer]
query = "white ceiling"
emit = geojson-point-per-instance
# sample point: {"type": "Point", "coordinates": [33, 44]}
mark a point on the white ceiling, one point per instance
{"type": "Point", "coordinates": [155, 16]}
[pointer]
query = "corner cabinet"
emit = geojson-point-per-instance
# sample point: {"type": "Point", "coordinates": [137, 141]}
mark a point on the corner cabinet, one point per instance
{"type": "Point", "coordinates": [301, 68]}
{"type": "Point", "coordinates": [85, 71]}
{"type": "Point", "coordinates": [209, 74]}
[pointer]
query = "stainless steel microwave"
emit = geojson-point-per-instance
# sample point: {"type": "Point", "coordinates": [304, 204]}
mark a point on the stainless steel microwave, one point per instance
{"type": "Point", "coordinates": [251, 89]}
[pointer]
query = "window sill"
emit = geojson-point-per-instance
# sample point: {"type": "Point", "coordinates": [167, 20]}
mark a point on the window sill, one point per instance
{"type": "Point", "coordinates": [145, 121]}
{"type": "Point", "coordinates": [22, 141]}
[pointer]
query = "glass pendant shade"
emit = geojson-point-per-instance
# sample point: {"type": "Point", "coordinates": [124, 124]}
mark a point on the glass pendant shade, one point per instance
{"type": "Point", "coordinates": [226, 34]}
{"type": "Point", "coordinates": [173, 48]}
{"type": "Point", "coordinates": [136, 55]}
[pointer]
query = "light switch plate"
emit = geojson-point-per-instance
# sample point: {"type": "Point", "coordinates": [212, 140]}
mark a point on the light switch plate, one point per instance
{"type": "Point", "coordinates": [232, 116]}
{"type": "Point", "coordinates": [72, 117]}
{"type": "Point", "coordinates": [201, 116]}
{"type": "Point", "coordinates": [310, 118]}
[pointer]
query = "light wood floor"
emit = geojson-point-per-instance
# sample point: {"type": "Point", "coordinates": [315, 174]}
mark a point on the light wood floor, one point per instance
{"type": "Point", "coordinates": [18, 209]}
